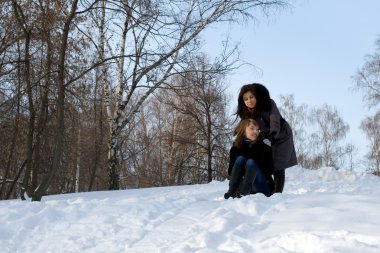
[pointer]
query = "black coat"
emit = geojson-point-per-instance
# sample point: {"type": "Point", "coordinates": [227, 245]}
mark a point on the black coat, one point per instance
{"type": "Point", "coordinates": [259, 152]}
{"type": "Point", "coordinates": [274, 127]}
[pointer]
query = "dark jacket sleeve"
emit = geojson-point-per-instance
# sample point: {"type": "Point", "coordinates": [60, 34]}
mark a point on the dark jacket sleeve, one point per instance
{"type": "Point", "coordinates": [274, 122]}
{"type": "Point", "coordinates": [233, 155]}
{"type": "Point", "coordinates": [265, 159]}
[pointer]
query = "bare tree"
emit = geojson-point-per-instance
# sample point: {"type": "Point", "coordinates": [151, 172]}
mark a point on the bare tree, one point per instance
{"type": "Point", "coordinates": [297, 116]}
{"type": "Point", "coordinates": [351, 151]}
{"type": "Point", "coordinates": [331, 129]}
{"type": "Point", "coordinates": [161, 35]}
{"type": "Point", "coordinates": [367, 80]}
{"type": "Point", "coordinates": [48, 61]}
{"type": "Point", "coordinates": [204, 102]}
{"type": "Point", "coordinates": [25, 50]}
{"type": "Point", "coordinates": [27, 32]}
{"type": "Point", "coordinates": [183, 131]}
{"type": "Point", "coordinates": [11, 104]}
{"type": "Point", "coordinates": [371, 126]}
{"type": "Point", "coordinates": [61, 87]}
{"type": "Point", "coordinates": [62, 81]}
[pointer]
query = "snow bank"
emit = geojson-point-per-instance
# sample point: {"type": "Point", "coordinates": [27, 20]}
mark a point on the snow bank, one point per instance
{"type": "Point", "coordinates": [319, 211]}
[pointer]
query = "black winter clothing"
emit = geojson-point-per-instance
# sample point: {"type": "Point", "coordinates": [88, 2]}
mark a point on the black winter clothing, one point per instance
{"type": "Point", "coordinates": [279, 180]}
{"type": "Point", "coordinates": [274, 127]}
{"type": "Point", "coordinates": [259, 152]}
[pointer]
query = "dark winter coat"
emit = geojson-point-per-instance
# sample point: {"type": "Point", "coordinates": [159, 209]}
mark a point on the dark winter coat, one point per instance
{"type": "Point", "coordinates": [274, 127]}
{"type": "Point", "coordinates": [259, 152]}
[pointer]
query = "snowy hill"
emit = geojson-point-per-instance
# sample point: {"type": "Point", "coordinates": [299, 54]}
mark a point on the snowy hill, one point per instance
{"type": "Point", "coordinates": [320, 211]}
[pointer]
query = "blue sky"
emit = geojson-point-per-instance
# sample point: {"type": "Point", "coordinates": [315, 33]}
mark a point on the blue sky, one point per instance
{"type": "Point", "coordinates": [311, 50]}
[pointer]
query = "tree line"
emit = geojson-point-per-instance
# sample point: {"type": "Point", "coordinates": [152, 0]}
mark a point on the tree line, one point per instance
{"type": "Point", "coordinates": [106, 95]}
{"type": "Point", "coordinates": [74, 75]}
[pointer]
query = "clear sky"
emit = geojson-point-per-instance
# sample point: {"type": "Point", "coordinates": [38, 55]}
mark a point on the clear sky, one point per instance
{"type": "Point", "coordinates": [311, 50]}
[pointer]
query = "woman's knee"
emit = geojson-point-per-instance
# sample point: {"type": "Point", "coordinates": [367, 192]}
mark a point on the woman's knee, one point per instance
{"type": "Point", "coordinates": [251, 164]}
{"type": "Point", "coordinates": [240, 161]}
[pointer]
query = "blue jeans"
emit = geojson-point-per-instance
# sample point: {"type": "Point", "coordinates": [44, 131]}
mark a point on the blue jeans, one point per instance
{"type": "Point", "coordinates": [248, 177]}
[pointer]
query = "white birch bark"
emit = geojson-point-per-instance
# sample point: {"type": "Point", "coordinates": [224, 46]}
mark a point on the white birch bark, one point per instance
{"type": "Point", "coordinates": [148, 68]}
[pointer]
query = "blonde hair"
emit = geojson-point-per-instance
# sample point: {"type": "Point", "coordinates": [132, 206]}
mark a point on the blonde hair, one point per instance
{"type": "Point", "coordinates": [240, 130]}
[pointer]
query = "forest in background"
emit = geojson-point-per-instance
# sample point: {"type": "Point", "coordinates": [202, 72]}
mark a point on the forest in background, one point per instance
{"type": "Point", "coordinates": [107, 95]}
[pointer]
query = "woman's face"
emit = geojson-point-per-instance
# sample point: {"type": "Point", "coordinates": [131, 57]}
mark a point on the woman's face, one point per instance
{"type": "Point", "coordinates": [249, 100]}
{"type": "Point", "coordinates": [252, 132]}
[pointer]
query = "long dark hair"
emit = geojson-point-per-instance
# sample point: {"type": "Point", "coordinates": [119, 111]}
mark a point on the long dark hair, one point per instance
{"type": "Point", "coordinates": [263, 100]}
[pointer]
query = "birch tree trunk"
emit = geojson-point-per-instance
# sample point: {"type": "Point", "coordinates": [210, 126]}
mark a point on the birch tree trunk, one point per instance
{"type": "Point", "coordinates": [158, 35]}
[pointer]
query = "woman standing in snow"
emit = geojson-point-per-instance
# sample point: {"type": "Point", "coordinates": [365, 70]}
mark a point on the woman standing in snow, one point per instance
{"type": "Point", "coordinates": [254, 102]}
{"type": "Point", "coordinates": [250, 166]}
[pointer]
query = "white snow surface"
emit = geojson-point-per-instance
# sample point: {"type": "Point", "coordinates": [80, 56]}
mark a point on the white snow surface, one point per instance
{"type": "Point", "coordinates": [322, 210]}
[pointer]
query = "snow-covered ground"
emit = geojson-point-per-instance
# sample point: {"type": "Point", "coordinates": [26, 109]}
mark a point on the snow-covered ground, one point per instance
{"type": "Point", "coordinates": [319, 211]}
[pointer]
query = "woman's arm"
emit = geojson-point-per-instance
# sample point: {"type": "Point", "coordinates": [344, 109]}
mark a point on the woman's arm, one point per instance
{"type": "Point", "coordinates": [265, 158]}
{"type": "Point", "coordinates": [233, 155]}
{"type": "Point", "coordinates": [274, 122]}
